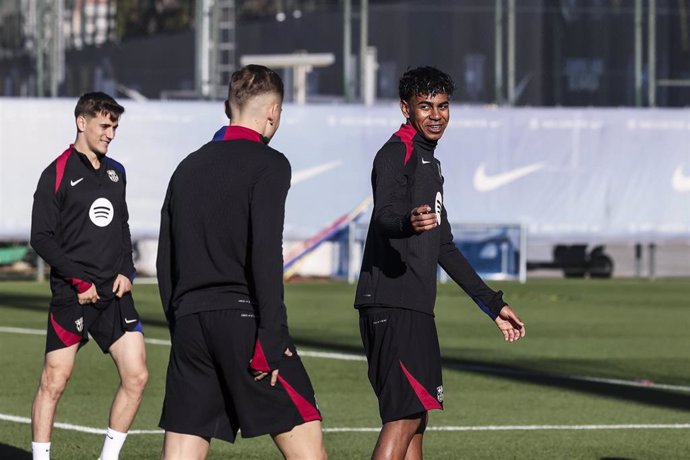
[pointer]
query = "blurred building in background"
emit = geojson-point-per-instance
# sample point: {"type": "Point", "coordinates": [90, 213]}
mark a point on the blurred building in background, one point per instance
{"type": "Point", "coordinates": [515, 52]}
{"type": "Point", "coordinates": [532, 158]}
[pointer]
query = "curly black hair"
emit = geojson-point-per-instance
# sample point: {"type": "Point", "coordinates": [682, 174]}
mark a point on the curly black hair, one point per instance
{"type": "Point", "coordinates": [425, 81]}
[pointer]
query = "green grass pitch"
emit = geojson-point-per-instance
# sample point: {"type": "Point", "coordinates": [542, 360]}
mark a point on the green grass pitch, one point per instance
{"type": "Point", "coordinates": [578, 331]}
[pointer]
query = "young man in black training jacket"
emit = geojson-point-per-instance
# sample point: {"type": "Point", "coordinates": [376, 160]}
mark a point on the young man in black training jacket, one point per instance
{"type": "Point", "coordinates": [220, 272]}
{"type": "Point", "coordinates": [409, 235]}
{"type": "Point", "coordinates": [79, 225]}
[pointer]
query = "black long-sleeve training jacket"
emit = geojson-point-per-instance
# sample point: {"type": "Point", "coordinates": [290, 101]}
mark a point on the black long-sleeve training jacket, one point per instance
{"type": "Point", "coordinates": [221, 236]}
{"type": "Point", "coordinates": [79, 226]}
{"type": "Point", "coordinates": [399, 265]}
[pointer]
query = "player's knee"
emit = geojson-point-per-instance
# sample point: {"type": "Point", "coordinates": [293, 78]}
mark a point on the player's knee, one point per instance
{"type": "Point", "coordinates": [53, 382]}
{"type": "Point", "coordinates": [135, 382]}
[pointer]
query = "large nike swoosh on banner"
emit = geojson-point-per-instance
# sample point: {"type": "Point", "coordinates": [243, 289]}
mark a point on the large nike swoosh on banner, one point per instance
{"type": "Point", "coordinates": [680, 182]}
{"type": "Point", "coordinates": [484, 183]}
{"type": "Point", "coordinates": [304, 174]}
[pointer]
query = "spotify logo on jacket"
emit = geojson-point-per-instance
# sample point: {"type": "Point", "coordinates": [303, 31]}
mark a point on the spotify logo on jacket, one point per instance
{"type": "Point", "coordinates": [101, 212]}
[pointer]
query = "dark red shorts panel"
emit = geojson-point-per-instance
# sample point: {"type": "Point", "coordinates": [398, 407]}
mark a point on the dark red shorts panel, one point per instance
{"type": "Point", "coordinates": [404, 361]}
{"type": "Point", "coordinates": [210, 391]}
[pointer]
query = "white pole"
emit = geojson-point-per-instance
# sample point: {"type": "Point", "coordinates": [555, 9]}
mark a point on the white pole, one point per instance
{"type": "Point", "coordinates": [523, 254]}
{"type": "Point", "coordinates": [370, 67]}
{"type": "Point", "coordinates": [300, 83]}
{"type": "Point", "coordinates": [202, 45]}
{"type": "Point", "coordinates": [351, 242]}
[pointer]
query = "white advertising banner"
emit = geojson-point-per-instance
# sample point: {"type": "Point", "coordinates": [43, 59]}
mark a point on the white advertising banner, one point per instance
{"type": "Point", "coordinates": [592, 174]}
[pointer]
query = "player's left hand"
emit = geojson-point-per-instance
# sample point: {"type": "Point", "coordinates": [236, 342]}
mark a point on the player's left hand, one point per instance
{"type": "Point", "coordinates": [510, 325]}
{"type": "Point", "coordinates": [274, 374]}
{"type": "Point", "coordinates": [122, 285]}
{"type": "Point", "coordinates": [422, 219]}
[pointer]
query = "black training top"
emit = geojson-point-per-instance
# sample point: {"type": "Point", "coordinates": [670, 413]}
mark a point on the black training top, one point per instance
{"type": "Point", "coordinates": [220, 242]}
{"type": "Point", "coordinates": [399, 266]}
{"type": "Point", "coordinates": [79, 226]}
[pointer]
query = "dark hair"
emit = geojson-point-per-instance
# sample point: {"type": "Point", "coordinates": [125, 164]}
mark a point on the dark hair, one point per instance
{"type": "Point", "coordinates": [253, 80]}
{"type": "Point", "coordinates": [92, 104]}
{"type": "Point", "coordinates": [425, 81]}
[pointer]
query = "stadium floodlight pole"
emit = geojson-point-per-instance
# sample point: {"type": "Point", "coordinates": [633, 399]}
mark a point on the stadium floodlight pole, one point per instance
{"type": "Point", "coordinates": [638, 53]}
{"type": "Point", "coordinates": [498, 52]}
{"type": "Point", "coordinates": [651, 88]}
{"type": "Point", "coordinates": [363, 44]}
{"type": "Point", "coordinates": [511, 52]}
{"type": "Point", "coordinates": [348, 87]}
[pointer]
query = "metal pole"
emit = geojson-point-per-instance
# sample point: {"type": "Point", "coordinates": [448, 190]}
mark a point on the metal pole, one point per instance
{"type": "Point", "coordinates": [202, 27]}
{"type": "Point", "coordinates": [652, 261]}
{"type": "Point", "coordinates": [370, 67]}
{"type": "Point", "coordinates": [214, 58]}
{"type": "Point", "coordinates": [57, 47]}
{"type": "Point", "coordinates": [299, 92]}
{"type": "Point", "coordinates": [351, 242]}
{"type": "Point", "coordinates": [651, 89]}
{"type": "Point", "coordinates": [511, 52]}
{"type": "Point", "coordinates": [40, 269]}
{"type": "Point", "coordinates": [638, 53]}
{"type": "Point", "coordinates": [363, 44]}
{"type": "Point", "coordinates": [498, 54]}
{"type": "Point", "coordinates": [40, 46]}
{"type": "Point", "coordinates": [348, 87]}
{"type": "Point", "coordinates": [523, 254]}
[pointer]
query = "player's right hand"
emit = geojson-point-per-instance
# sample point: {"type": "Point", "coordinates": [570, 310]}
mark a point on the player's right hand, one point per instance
{"type": "Point", "coordinates": [88, 296]}
{"type": "Point", "coordinates": [258, 375]}
{"type": "Point", "coordinates": [422, 218]}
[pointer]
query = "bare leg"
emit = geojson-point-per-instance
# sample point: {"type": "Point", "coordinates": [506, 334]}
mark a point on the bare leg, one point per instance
{"type": "Point", "coordinates": [414, 450]}
{"type": "Point", "coordinates": [57, 369]}
{"type": "Point", "coordinates": [129, 355]}
{"type": "Point", "coordinates": [178, 446]}
{"type": "Point", "coordinates": [303, 442]}
{"type": "Point", "coordinates": [395, 439]}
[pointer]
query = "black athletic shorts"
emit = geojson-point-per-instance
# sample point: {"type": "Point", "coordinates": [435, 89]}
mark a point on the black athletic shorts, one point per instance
{"type": "Point", "coordinates": [105, 322]}
{"type": "Point", "coordinates": [210, 391]}
{"type": "Point", "coordinates": [404, 361]}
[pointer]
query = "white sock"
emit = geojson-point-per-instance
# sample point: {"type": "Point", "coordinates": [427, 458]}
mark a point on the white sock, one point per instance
{"type": "Point", "coordinates": [112, 445]}
{"type": "Point", "coordinates": [41, 450]}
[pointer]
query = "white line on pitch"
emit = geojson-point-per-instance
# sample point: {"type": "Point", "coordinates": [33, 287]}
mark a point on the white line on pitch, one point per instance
{"type": "Point", "coordinates": [22, 330]}
{"type": "Point", "coordinates": [641, 426]}
{"type": "Point", "coordinates": [352, 357]}
{"type": "Point", "coordinates": [329, 355]}
{"type": "Point", "coordinates": [71, 427]}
